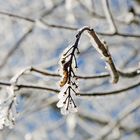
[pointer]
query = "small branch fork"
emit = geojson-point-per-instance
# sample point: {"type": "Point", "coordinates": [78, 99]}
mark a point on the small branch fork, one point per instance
{"type": "Point", "coordinates": [68, 64]}
{"type": "Point", "coordinates": [100, 47]}
{"type": "Point", "coordinates": [70, 56]}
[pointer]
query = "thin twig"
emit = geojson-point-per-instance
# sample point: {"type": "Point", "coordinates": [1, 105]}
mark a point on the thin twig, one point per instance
{"type": "Point", "coordinates": [58, 26]}
{"type": "Point", "coordinates": [110, 92]}
{"type": "Point", "coordinates": [55, 6]}
{"type": "Point", "coordinates": [113, 92]}
{"type": "Point", "coordinates": [67, 27]}
{"type": "Point", "coordinates": [102, 75]}
{"type": "Point", "coordinates": [16, 16]}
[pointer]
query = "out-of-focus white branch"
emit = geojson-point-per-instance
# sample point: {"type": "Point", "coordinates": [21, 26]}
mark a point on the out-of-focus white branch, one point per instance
{"type": "Point", "coordinates": [109, 16]}
{"type": "Point", "coordinates": [113, 124]}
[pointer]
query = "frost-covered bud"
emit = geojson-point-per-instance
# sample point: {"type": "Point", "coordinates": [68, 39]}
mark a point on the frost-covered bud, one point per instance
{"type": "Point", "coordinates": [63, 90]}
{"type": "Point", "coordinates": [60, 103]}
{"type": "Point", "coordinates": [68, 107]}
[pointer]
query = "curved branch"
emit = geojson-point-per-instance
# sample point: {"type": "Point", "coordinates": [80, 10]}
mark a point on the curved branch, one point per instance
{"type": "Point", "coordinates": [110, 92]}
